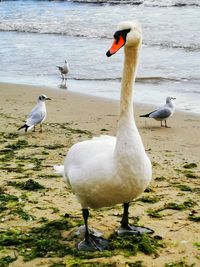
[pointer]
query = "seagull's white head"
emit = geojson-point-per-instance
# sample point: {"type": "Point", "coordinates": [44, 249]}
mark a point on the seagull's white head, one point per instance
{"type": "Point", "coordinates": [43, 98]}
{"type": "Point", "coordinates": [129, 33]}
{"type": "Point", "coordinates": [169, 98]}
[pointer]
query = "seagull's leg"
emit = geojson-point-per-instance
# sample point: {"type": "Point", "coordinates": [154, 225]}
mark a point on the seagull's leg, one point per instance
{"type": "Point", "coordinates": [161, 124]}
{"type": "Point", "coordinates": [91, 242]}
{"type": "Point", "coordinates": [40, 127]}
{"type": "Point", "coordinates": [62, 76]}
{"type": "Point", "coordinates": [126, 228]}
{"type": "Point", "coordinates": [166, 125]}
{"type": "Point", "coordinates": [33, 128]}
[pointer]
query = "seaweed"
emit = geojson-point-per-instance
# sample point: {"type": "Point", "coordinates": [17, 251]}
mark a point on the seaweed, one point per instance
{"type": "Point", "coordinates": [30, 185]}
{"type": "Point", "coordinates": [184, 187]}
{"type": "Point", "coordinates": [134, 264]}
{"type": "Point", "coordinates": [171, 205]}
{"type": "Point", "coordinates": [37, 164]}
{"type": "Point", "coordinates": [193, 217]}
{"type": "Point", "coordinates": [155, 213]}
{"type": "Point", "coordinates": [8, 154]}
{"type": "Point", "coordinates": [149, 199]}
{"type": "Point", "coordinates": [148, 190]}
{"type": "Point", "coordinates": [58, 264]}
{"type": "Point", "coordinates": [18, 145]}
{"type": "Point", "coordinates": [54, 146]}
{"type": "Point", "coordinates": [22, 214]}
{"type": "Point", "coordinates": [11, 135]}
{"type": "Point", "coordinates": [182, 206]}
{"type": "Point", "coordinates": [78, 263]}
{"type": "Point", "coordinates": [197, 244]}
{"type": "Point", "coordinates": [136, 243]}
{"type": "Point", "coordinates": [5, 261]}
{"type": "Point", "coordinates": [179, 264]}
{"type": "Point", "coordinates": [48, 175]}
{"type": "Point", "coordinates": [44, 152]}
{"type": "Point", "coordinates": [79, 131]}
{"type": "Point", "coordinates": [4, 197]}
{"type": "Point", "coordinates": [189, 174]}
{"type": "Point", "coordinates": [160, 178]}
{"type": "Point", "coordinates": [190, 165]}
{"type": "Point", "coordinates": [44, 241]}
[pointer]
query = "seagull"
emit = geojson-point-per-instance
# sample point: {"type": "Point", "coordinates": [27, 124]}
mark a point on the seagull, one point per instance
{"type": "Point", "coordinates": [37, 115]}
{"type": "Point", "coordinates": [163, 113]}
{"type": "Point", "coordinates": [64, 70]}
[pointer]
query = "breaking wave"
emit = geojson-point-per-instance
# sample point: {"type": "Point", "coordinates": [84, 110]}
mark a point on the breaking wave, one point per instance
{"type": "Point", "coordinates": [156, 3]}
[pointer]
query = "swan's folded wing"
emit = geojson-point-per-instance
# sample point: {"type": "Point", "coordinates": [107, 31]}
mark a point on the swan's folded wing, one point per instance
{"type": "Point", "coordinates": [83, 152]}
{"type": "Point", "coordinates": [104, 137]}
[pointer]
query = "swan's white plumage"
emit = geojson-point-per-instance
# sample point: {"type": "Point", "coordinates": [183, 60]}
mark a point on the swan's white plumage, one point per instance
{"type": "Point", "coordinates": [59, 169]}
{"type": "Point", "coordinates": [108, 170]}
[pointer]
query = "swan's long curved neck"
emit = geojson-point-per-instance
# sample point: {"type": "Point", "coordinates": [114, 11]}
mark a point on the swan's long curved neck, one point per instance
{"type": "Point", "coordinates": [129, 73]}
{"type": "Point", "coordinates": [127, 133]}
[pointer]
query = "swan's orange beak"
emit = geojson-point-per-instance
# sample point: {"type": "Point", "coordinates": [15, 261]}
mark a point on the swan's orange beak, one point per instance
{"type": "Point", "coordinates": [117, 44]}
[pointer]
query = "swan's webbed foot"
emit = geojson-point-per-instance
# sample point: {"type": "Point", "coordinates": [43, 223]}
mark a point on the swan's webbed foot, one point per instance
{"type": "Point", "coordinates": [93, 240]}
{"type": "Point", "coordinates": [93, 243]}
{"type": "Point", "coordinates": [134, 230]}
{"type": "Point", "coordinates": [126, 228]}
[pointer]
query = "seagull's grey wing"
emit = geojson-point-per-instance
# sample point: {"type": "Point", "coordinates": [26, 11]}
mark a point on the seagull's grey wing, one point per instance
{"type": "Point", "coordinates": [162, 113]}
{"type": "Point", "coordinates": [35, 117]}
{"type": "Point", "coordinates": [60, 68]}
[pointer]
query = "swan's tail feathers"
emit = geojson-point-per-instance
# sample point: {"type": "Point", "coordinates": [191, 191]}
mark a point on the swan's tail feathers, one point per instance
{"type": "Point", "coordinates": [24, 126]}
{"type": "Point", "coordinates": [59, 169]}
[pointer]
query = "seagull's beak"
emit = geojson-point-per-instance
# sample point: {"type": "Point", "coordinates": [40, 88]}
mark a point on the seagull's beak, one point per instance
{"type": "Point", "coordinates": [48, 98]}
{"type": "Point", "coordinates": [117, 44]}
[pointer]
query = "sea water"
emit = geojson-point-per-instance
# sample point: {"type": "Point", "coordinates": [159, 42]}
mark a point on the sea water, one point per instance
{"type": "Point", "coordinates": [35, 36]}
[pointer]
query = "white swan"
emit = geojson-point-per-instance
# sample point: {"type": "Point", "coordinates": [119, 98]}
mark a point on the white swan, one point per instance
{"type": "Point", "coordinates": [163, 113]}
{"type": "Point", "coordinates": [37, 115]}
{"type": "Point", "coordinates": [108, 170]}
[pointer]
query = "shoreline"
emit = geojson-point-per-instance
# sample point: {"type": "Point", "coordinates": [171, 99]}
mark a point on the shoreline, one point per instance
{"type": "Point", "coordinates": [71, 118]}
{"type": "Point", "coordinates": [179, 103]}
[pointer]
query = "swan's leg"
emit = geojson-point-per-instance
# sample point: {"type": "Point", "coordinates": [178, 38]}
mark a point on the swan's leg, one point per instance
{"type": "Point", "coordinates": [124, 221]}
{"type": "Point", "coordinates": [91, 242]}
{"type": "Point", "coordinates": [126, 228]}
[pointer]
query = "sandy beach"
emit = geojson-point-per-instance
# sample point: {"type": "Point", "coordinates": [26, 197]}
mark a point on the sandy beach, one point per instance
{"type": "Point", "coordinates": [170, 206]}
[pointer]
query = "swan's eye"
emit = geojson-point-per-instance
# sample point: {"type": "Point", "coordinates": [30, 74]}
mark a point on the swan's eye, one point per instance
{"type": "Point", "coordinates": [117, 36]}
{"type": "Point", "coordinates": [122, 33]}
